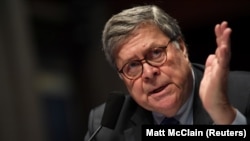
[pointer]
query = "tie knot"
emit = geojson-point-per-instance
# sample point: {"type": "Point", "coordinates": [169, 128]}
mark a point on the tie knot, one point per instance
{"type": "Point", "coordinates": [170, 121]}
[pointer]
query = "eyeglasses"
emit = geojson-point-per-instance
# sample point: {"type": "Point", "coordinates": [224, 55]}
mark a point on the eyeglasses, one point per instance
{"type": "Point", "coordinates": [154, 57]}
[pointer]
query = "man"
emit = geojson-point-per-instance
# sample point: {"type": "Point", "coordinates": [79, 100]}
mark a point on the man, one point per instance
{"type": "Point", "coordinates": [146, 47]}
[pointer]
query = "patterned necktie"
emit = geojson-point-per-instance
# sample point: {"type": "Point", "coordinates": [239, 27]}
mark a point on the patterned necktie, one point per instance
{"type": "Point", "coordinates": [170, 121]}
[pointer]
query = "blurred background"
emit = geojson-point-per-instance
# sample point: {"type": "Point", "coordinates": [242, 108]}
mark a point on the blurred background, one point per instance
{"type": "Point", "coordinates": [52, 69]}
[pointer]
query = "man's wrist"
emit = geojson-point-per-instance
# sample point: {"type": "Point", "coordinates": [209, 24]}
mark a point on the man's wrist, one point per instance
{"type": "Point", "coordinates": [224, 115]}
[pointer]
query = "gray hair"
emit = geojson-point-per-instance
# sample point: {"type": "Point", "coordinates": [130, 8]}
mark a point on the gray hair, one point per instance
{"type": "Point", "coordinates": [120, 26]}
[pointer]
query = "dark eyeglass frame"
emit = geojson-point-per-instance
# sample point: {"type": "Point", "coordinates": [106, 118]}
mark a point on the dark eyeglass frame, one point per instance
{"type": "Point", "coordinates": [141, 63]}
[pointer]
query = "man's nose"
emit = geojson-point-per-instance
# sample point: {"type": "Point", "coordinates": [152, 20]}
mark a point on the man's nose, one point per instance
{"type": "Point", "coordinates": [149, 71]}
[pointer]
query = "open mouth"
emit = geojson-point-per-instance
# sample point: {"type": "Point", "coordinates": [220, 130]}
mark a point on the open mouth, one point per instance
{"type": "Point", "coordinates": [158, 89]}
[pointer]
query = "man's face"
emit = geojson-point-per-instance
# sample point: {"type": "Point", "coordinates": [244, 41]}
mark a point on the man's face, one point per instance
{"type": "Point", "coordinates": [161, 89]}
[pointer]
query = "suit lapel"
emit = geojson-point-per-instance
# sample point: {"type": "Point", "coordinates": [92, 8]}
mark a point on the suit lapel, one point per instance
{"type": "Point", "coordinates": [131, 118]}
{"type": "Point", "coordinates": [200, 116]}
{"type": "Point", "coordinates": [140, 117]}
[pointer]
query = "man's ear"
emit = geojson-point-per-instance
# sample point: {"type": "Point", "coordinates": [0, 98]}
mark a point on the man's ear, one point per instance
{"type": "Point", "coordinates": [182, 46]}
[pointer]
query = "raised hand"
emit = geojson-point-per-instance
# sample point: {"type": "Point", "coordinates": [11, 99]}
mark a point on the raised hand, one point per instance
{"type": "Point", "coordinates": [213, 88]}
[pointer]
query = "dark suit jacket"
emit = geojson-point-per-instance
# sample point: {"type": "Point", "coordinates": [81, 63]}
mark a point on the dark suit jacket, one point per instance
{"type": "Point", "coordinates": [132, 116]}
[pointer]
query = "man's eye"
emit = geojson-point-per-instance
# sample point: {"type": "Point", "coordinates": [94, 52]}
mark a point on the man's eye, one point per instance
{"type": "Point", "coordinates": [133, 64]}
{"type": "Point", "coordinates": [132, 68]}
{"type": "Point", "coordinates": [155, 53]}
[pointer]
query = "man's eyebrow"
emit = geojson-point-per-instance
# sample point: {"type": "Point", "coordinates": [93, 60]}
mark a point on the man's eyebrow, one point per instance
{"type": "Point", "coordinates": [153, 46]}
{"type": "Point", "coordinates": [144, 53]}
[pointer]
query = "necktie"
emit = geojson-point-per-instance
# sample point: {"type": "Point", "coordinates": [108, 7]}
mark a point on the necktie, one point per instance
{"type": "Point", "coordinates": [170, 121]}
